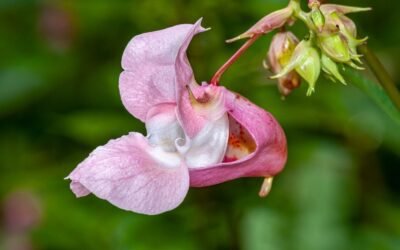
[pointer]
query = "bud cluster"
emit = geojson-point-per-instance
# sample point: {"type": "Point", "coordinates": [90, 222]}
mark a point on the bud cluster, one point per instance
{"type": "Point", "coordinates": [332, 42]}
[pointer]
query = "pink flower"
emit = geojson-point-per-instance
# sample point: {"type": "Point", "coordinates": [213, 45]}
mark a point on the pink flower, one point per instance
{"type": "Point", "coordinates": [197, 135]}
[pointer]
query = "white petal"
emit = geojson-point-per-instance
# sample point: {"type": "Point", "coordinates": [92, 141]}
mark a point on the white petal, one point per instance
{"type": "Point", "coordinates": [209, 145]}
{"type": "Point", "coordinates": [163, 127]}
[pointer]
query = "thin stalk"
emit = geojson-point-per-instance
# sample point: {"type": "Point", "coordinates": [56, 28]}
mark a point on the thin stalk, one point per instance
{"type": "Point", "coordinates": [215, 79]}
{"type": "Point", "coordinates": [381, 75]}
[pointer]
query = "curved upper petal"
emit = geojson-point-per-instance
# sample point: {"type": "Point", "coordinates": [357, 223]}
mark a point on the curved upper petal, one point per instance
{"type": "Point", "coordinates": [149, 64]}
{"type": "Point", "coordinates": [194, 102]}
{"type": "Point", "coordinates": [268, 157]}
{"type": "Point", "coordinates": [132, 175]}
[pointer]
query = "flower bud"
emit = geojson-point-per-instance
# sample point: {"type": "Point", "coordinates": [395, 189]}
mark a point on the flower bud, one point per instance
{"type": "Point", "coordinates": [279, 54]}
{"type": "Point", "coordinates": [281, 50]}
{"type": "Point", "coordinates": [335, 46]}
{"type": "Point", "coordinates": [331, 69]}
{"type": "Point", "coordinates": [268, 23]}
{"type": "Point", "coordinates": [305, 60]}
{"type": "Point", "coordinates": [342, 24]}
{"type": "Point", "coordinates": [342, 9]}
{"type": "Point", "coordinates": [288, 82]}
{"type": "Point", "coordinates": [342, 43]}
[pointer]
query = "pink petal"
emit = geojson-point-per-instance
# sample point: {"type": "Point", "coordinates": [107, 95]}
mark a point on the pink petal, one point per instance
{"type": "Point", "coordinates": [190, 113]}
{"type": "Point", "coordinates": [149, 64]}
{"type": "Point", "coordinates": [199, 106]}
{"type": "Point", "coordinates": [133, 176]}
{"type": "Point", "coordinates": [269, 156]}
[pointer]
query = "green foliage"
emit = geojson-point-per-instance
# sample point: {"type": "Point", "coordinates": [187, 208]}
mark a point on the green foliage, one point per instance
{"type": "Point", "coordinates": [374, 91]}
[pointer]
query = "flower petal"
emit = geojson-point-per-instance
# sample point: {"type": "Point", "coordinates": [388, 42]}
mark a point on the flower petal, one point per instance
{"type": "Point", "coordinates": [199, 106]}
{"type": "Point", "coordinates": [149, 64]}
{"type": "Point", "coordinates": [163, 128]}
{"type": "Point", "coordinates": [269, 156]}
{"type": "Point", "coordinates": [132, 175]}
{"type": "Point", "coordinates": [209, 145]}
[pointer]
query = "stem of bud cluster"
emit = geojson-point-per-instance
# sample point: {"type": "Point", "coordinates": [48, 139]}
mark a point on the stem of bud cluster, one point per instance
{"type": "Point", "coordinates": [215, 79]}
{"type": "Point", "coordinates": [312, 2]}
{"type": "Point", "coordinates": [381, 75]}
{"type": "Point", "coordinates": [299, 13]}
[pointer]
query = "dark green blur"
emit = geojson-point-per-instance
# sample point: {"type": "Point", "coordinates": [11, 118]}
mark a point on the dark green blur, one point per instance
{"type": "Point", "coordinates": [59, 99]}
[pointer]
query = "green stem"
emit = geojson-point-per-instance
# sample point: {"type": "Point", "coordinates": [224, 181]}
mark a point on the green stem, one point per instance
{"type": "Point", "coordinates": [381, 75]}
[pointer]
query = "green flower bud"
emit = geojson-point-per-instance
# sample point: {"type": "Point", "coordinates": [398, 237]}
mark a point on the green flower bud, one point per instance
{"type": "Point", "coordinates": [337, 23]}
{"type": "Point", "coordinates": [305, 60]}
{"type": "Point", "coordinates": [331, 69]}
{"type": "Point", "coordinates": [335, 46]}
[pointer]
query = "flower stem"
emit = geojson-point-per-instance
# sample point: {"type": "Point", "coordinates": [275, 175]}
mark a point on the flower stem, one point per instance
{"type": "Point", "coordinates": [381, 75]}
{"type": "Point", "coordinates": [215, 79]}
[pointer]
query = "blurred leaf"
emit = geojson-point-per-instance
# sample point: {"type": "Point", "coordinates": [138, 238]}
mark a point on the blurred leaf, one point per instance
{"type": "Point", "coordinates": [374, 91]}
{"type": "Point", "coordinates": [321, 185]}
{"type": "Point", "coordinates": [262, 229]}
{"type": "Point", "coordinates": [92, 128]}
{"type": "Point", "coordinates": [16, 86]}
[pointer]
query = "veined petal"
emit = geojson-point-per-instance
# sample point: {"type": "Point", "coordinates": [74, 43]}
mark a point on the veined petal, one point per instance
{"type": "Point", "coordinates": [267, 159]}
{"type": "Point", "coordinates": [184, 73]}
{"type": "Point", "coordinates": [149, 64]}
{"type": "Point", "coordinates": [132, 175]}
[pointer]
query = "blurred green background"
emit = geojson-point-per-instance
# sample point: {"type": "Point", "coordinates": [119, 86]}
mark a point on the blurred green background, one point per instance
{"type": "Point", "coordinates": [59, 99]}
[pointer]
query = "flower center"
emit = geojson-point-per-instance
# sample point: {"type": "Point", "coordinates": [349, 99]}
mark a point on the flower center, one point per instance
{"type": "Point", "coordinates": [168, 139]}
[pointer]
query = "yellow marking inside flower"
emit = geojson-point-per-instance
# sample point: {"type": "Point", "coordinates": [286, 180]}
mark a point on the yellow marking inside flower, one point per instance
{"type": "Point", "coordinates": [286, 53]}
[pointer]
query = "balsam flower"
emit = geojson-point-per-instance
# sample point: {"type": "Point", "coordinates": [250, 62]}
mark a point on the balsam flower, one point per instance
{"type": "Point", "coordinates": [197, 135]}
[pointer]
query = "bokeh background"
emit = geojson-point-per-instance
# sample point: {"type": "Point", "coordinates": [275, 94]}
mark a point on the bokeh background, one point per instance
{"type": "Point", "coordinates": [59, 99]}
